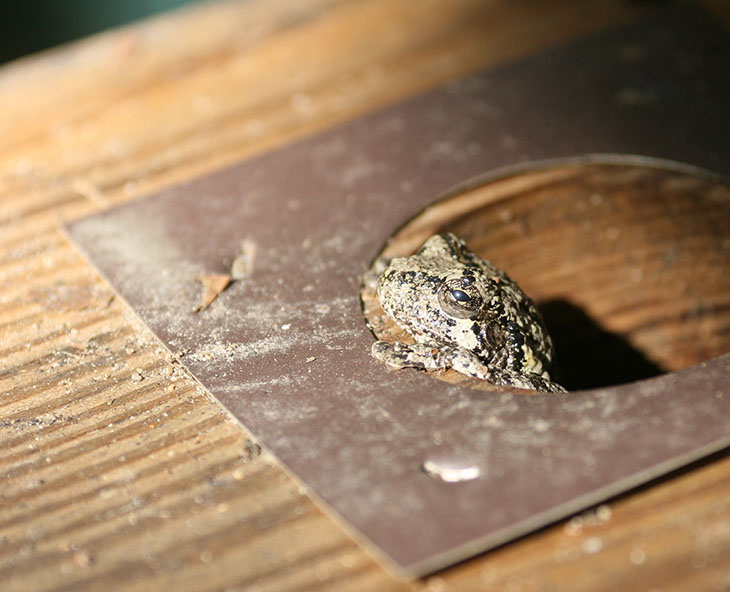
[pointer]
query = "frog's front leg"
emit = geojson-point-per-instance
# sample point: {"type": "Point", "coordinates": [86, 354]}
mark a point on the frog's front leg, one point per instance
{"type": "Point", "coordinates": [417, 355]}
{"type": "Point", "coordinates": [427, 356]}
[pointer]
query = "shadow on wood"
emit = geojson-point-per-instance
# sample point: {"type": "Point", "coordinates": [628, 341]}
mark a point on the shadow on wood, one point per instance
{"type": "Point", "coordinates": [589, 356]}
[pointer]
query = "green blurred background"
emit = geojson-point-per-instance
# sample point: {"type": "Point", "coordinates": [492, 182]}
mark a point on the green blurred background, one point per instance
{"type": "Point", "coordinates": [27, 26]}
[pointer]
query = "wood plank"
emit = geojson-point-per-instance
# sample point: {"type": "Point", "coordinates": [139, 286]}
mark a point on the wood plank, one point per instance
{"type": "Point", "coordinates": [118, 471]}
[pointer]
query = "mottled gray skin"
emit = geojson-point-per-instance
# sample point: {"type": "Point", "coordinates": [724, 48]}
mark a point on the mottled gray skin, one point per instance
{"type": "Point", "coordinates": [465, 314]}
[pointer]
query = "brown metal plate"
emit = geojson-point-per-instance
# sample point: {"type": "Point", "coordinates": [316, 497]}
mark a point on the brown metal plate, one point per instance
{"type": "Point", "coordinates": [287, 351]}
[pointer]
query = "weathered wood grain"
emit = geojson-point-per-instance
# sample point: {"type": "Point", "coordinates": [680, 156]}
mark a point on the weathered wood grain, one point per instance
{"type": "Point", "coordinates": [117, 470]}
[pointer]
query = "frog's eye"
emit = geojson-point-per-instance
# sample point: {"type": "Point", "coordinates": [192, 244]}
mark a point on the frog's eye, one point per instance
{"type": "Point", "coordinates": [460, 298]}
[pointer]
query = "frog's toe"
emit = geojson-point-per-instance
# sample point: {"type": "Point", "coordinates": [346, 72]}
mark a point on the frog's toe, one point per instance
{"type": "Point", "coordinates": [402, 355]}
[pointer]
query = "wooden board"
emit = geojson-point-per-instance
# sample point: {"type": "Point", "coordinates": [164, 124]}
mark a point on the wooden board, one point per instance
{"type": "Point", "coordinates": [117, 470]}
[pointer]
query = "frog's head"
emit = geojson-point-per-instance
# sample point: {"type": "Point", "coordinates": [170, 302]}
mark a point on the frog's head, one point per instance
{"type": "Point", "coordinates": [438, 294]}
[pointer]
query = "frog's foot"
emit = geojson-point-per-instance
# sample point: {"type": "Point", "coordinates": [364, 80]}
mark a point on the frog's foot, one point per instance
{"type": "Point", "coordinates": [467, 363]}
{"type": "Point", "coordinates": [401, 355]}
{"type": "Point", "coordinates": [430, 357]}
{"type": "Point", "coordinates": [528, 380]}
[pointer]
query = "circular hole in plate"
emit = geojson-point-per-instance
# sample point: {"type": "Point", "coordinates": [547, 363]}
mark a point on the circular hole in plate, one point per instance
{"type": "Point", "coordinates": [629, 263]}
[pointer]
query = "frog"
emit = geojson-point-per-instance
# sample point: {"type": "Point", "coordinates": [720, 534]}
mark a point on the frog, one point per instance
{"type": "Point", "coordinates": [465, 314]}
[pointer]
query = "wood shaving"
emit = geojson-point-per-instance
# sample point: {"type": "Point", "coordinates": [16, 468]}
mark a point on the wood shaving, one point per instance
{"type": "Point", "coordinates": [213, 284]}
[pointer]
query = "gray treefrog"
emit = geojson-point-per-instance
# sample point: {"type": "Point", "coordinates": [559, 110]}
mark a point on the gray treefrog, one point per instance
{"type": "Point", "coordinates": [464, 313]}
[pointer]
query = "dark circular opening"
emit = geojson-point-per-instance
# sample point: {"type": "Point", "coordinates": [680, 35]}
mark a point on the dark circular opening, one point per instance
{"type": "Point", "coordinates": [628, 263]}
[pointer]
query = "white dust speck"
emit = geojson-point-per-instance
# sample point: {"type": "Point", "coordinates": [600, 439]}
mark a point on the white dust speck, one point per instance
{"type": "Point", "coordinates": [637, 556]}
{"type": "Point", "coordinates": [592, 545]}
{"type": "Point", "coordinates": [450, 473]}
